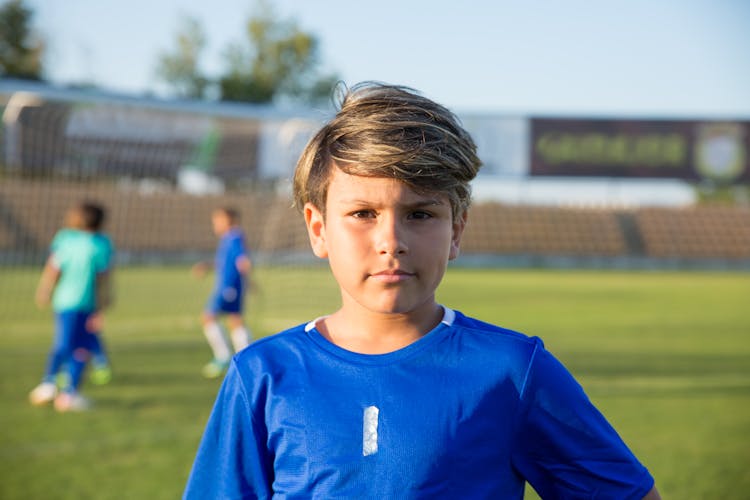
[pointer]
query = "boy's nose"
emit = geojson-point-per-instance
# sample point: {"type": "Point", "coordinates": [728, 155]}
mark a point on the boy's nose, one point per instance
{"type": "Point", "coordinates": [391, 238]}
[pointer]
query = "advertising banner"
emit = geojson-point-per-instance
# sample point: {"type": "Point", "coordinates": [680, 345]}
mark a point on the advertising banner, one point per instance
{"type": "Point", "coordinates": [691, 150]}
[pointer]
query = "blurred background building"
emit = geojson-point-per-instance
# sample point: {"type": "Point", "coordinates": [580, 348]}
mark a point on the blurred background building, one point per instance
{"type": "Point", "coordinates": [553, 191]}
{"type": "Point", "coordinates": [613, 137]}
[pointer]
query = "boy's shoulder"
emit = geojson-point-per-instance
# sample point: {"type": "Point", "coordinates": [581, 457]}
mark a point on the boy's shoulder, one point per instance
{"type": "Point", "coordinates": [277, 346]}
{"type": "Point", "coordinates": [233, 238]}
{"type": "Point", "coordinates": [103, 239]}
{"type": "Point", "coordinates": [66, 235]}
{"type": "Point", "coordinates": [235, 233]}
{"type": "Point", "coordinates": [72, 240]}
{"type": "Point", "coordinates": [493, 334]}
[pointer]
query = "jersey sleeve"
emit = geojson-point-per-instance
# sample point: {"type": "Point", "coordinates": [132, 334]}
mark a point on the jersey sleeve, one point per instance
{"type": "Point", "coordinates": [564, 446]}
{"type": "Point", "coordinates": [56, 240]}
{"type": "Point", "coordinates": [239, 250]}
{"type": "Point", "coordinates": [232, 459]}
{"type": "Point", "coordinates": [57, 247]}
{"type": "Point", "coordinates": [243, 250]}
{"type": "Point", "coordinates": [105, 253]}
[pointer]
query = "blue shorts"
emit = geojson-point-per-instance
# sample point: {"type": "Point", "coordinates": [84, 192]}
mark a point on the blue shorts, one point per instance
{"type": "Point", "coordinates": [227, 300]}
{"type": "Point", "coordinates": [70, 337]}
{"type": "Point", "coordinates": [70, 329]}
{"type": "Point", "coordinates": [72, 346]}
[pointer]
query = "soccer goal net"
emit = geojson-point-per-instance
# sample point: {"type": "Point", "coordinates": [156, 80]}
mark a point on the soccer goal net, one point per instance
{"type": "Point", "coordinates": [159, 170]}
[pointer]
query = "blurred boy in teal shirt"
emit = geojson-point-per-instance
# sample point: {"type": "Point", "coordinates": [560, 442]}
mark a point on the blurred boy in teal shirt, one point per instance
{"type": "Point", "coordinates": [76, 280]}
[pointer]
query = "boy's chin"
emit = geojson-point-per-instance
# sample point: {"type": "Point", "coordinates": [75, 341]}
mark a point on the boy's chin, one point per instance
{"type": "Point", "coordinates": [401, 307]}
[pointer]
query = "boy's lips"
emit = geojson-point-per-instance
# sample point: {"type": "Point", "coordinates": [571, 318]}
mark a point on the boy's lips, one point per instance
{"type": "Point", "coordinates": [392, 275]}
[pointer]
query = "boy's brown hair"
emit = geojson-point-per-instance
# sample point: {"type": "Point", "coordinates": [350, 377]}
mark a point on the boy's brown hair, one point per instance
{"type": "Point", "coordinates": [389, 131]}
{"type": "Point", "coordinates": [87, 216]}
{"type": "Point", "coordinates": [231, 213]}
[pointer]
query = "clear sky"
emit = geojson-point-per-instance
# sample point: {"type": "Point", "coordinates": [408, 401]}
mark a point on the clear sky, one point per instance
{"type": "Point", "coordinates": [649, 58]}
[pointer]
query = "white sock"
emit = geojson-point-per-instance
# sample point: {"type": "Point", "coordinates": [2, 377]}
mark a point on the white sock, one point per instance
{"type": "Point", "coordinates": [240, 338]}
{"type": "Point", "coordinates": [217, 341]}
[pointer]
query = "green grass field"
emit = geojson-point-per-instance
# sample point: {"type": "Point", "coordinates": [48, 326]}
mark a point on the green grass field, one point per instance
{"type": "Point", "coordinates": [665, 355]}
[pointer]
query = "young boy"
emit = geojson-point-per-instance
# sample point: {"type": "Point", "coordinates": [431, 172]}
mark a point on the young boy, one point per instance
{"type": "Point", "coordinates": [75, 278]}
{"type": "Point", "coordinates": [232, 265]}
{"type": "Point", "coordinates": [394, 395]}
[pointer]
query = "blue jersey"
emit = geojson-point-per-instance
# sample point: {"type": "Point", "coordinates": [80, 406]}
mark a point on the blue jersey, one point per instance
{"type": "Point", "coordinates": [470, 410]}
{"type": "Point", "coordinates": [229, 286]}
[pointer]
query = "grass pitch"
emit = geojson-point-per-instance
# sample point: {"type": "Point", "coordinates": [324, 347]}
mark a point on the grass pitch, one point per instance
{"type": "Point", "coordinates": [666, 357]}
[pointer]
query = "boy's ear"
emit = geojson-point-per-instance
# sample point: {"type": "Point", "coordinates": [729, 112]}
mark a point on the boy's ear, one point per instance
{"type": "Point", "coordinates": [316, 230]}
{"type": "Point", "coordinates": [459, 224]}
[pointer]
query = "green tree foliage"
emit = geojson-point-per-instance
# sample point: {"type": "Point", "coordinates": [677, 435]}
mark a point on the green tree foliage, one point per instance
{"type": "Point", "coordinates": [180, 68]}
{"type": "Point", "coordinates": [277, 60]}
{"type": "Point", "coordinates": [20, 50]}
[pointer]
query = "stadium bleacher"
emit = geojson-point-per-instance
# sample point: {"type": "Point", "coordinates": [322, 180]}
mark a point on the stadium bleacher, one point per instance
{"type": "Point", "coordinates": [706, 232]}
{"type": "Point", "coordinates": [153, 223]}
{"type": "Point", "coordinates": [503, 229]}
{"type": "Point", "coordinates": [169, 223]}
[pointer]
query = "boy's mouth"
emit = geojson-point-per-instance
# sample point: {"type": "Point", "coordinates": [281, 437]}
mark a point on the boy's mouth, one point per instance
{"type": "Point", "coordinates": [392, 275]}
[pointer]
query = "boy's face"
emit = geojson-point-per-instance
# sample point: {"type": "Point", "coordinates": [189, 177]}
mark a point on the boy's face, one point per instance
{"type": "Point", "coordinates": [220, 222]}
{"type": "Point", "coordinates": [388, 246]}
{"type": "Point", "coordinates": [74, 219]}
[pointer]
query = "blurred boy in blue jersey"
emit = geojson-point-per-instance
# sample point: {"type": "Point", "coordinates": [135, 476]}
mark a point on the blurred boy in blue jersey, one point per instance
{"type": "Point", "coordinates": [395, 395]}
{"type": "Point", "coordinates": [232, 265]}
{"type": "Point", "coordinates": [76, 279]}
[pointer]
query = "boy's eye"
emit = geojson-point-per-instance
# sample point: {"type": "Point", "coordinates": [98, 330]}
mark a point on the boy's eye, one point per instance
{"type": "Point", "coordinates": [420, 215]}
{"type": "Point", "coordinates": [363, 214]}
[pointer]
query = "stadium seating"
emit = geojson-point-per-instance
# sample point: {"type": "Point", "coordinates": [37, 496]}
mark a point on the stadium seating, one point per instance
{"type": "Point", "coordinates": [706, 232]}
{"type": "Point", "coordinates": [495, 228]}
{"type": "Point", "coordinates": [157, 221]}
{"type": "Point", "coordinates": [143, 219]}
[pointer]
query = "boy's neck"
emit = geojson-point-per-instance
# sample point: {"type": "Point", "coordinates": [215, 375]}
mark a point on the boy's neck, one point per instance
{"type": "Point", "coordinates": [359, 330]}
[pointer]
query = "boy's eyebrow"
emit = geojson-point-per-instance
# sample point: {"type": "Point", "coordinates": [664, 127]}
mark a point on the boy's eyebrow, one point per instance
{"type": "Point", "coordinates": [425, 203]}
{"type": "Point", "coordinates": [415, 204]}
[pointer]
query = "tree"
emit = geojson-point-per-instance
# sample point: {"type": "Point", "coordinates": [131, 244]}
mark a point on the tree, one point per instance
{"type": "Point", "coordinates": [279, 60]}
{"type": "Point", "coordinates": [181, 67]}
{"type": "Point", "coordinates": [20, 49]}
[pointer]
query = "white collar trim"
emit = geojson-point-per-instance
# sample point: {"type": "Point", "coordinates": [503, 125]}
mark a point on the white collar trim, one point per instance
{"type": "Point", "coordinates": [449, 315]}
{"type": "Point", "coordinates": [312, 324]}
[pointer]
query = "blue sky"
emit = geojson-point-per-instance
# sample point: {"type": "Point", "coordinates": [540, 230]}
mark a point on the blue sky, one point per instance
{"type": "Point", "coordinates": [664, 58]}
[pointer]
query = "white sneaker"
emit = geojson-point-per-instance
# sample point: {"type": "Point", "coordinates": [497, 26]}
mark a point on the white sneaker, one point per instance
{"type": "Point", "coordinates": [66, 402]}
{"type": "Point", "coordinates": [43, 393]}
